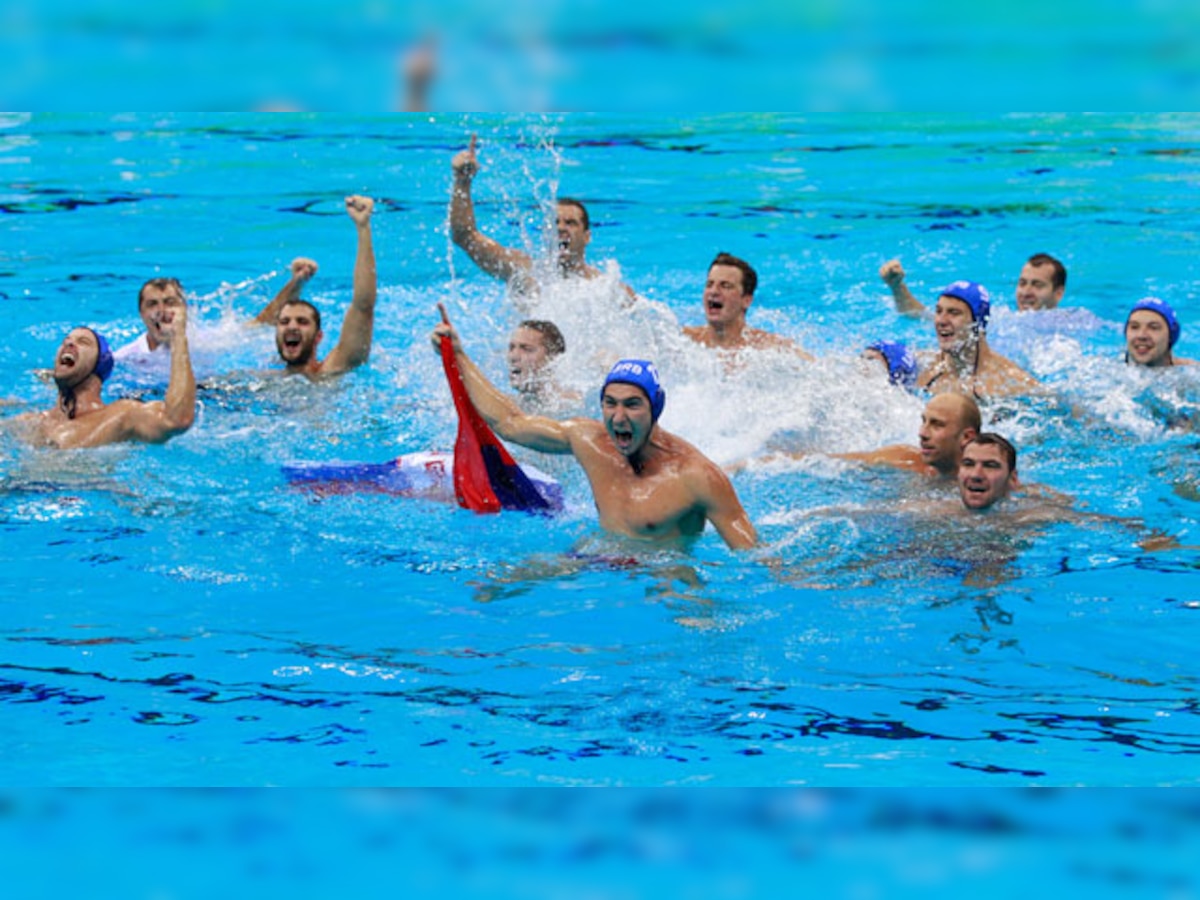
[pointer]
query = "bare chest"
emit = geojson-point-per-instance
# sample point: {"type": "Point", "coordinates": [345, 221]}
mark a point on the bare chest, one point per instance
{"type": "Point", "coordinates": [658, 506]}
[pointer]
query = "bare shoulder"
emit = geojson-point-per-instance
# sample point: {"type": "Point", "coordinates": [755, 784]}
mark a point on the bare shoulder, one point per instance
{"type": "Point", "coordinates": [1007, 376]}
{"type": "Point", "coordinates": [693, 463]}
{"type": "Point", "coordinates": [768, 340]}
{"type": "Point", "coordinates": [581, 432]}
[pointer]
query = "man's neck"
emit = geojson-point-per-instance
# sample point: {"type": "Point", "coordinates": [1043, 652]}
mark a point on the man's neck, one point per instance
{"type": "Point", "coordinates": [968, 355]}
{"type": "Point", "coordinates": [728, 334]}
{"type": "Point", "coordinates": [569, 266]}
{"type": "Point", "coordinates": [79, 401]}
{"type": "Point", "coordinates": [309, 367]}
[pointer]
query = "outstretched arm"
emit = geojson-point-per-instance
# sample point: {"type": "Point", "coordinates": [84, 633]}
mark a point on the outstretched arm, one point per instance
{"type": "Point", "coordinates": [354, 343]}
{"type": "Point", "coordinates": [156, 422]}
{"type": "Point", "coordinates": [497, 260]}
{"type": "Point", "coordinates": [302, 270]}
{"type": "Point", "coordinates": [499, 410]}
{"type": "Point", "coordinates": [892, 274]}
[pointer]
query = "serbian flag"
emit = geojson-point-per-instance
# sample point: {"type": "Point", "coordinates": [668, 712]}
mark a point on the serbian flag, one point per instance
{"type": "Point", "coordinates": [486, 477]}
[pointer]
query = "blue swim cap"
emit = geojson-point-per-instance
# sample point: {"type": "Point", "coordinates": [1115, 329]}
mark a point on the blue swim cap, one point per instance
{"type": "Point", "coordinates": [104, 357]}
{"type": "Point", "coordinates": [902, 365]}
{"type": "Point", "coordinates": [1153, 304]}
{"type": "Point", "coordinates": [973, 294]}
{"type": "Point", "coordinates": [640, 373]}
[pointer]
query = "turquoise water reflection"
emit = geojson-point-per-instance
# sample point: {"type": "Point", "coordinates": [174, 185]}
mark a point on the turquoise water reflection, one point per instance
{"type": "Point", "coordinates": [176, 615]}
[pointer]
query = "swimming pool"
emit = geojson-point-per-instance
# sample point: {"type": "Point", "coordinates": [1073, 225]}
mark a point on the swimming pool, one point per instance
{"type": "Point", "coordinates": [178, 615]}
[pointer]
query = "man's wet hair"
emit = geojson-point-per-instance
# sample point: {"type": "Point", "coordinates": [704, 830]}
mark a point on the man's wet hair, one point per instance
{"type": "Point", "coordinates": [1059, 278]}
{"type": "Point", "coordinates": [552, 338]}
{"type": "Point", "coordinates": [749, 276]}
{"type": "Point", "coordinates": [578, 204]}
{"type": "Point", "coordinates": [1007, 450]}
{"type": "Point", "coordinates": [162, 284]}
{"type": "Point", "coordinates": [316, 312]}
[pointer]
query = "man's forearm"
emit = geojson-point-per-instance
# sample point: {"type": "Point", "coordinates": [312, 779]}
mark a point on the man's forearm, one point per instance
{"type": "Point", "coordinates": [180, 401]}
{"type": "Point", "coordinates": [365, 280]}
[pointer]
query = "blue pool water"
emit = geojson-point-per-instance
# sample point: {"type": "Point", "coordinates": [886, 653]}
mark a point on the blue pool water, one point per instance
{"type": "Point", "coordinates": [178, 615]}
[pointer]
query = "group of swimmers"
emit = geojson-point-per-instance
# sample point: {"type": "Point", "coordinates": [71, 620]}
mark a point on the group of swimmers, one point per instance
{"type": "Point", "coordinates": [646, 482]}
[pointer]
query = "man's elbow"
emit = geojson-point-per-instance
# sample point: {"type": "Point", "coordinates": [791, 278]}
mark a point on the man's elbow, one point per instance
{"type": "Point", "coordinates": [462, 235]}
{"type": "Point", "coordinates": [181, 420]}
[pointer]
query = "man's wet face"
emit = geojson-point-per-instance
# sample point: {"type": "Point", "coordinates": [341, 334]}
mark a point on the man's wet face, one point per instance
{"type": "Point", "coordinates": [156, 306]}
{"type": "Point", "coordinates": [296, 334]}
{"type": "Point", "coordinates": [984, 477]}
{"type": "Point", "coordinates": [627, 417]}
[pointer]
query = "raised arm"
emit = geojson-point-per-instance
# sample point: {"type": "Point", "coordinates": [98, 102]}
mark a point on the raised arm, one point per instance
{"type": "Point", "coordinates": [892, 274]}
{"type": "Point", "coordinates": [497, 260]}
{"type": "Point", "coordinates": [156, 422]}
{"type": "Point", "coordinates": [498, 409]}
{"type": "Point", "coordinates": [302, 270]}
{"type": "Point", "coordinates": [723, 508]}
{"type": "Point", "coordinates": [354, 343]}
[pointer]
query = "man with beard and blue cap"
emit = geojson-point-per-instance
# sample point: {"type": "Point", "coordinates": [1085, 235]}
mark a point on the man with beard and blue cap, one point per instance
{"type": "Point", "coordinates": [646, 482]}
{"type": "Point", "coordinates": [963, 361]}
{"type": "Point", "coordinates": [81, 418]}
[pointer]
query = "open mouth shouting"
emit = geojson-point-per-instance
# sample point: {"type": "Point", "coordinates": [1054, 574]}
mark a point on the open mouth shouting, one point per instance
{"type": "Point", "coordinates": [291, 343]}
{"type": "Point", "coordinates": [622, 436]}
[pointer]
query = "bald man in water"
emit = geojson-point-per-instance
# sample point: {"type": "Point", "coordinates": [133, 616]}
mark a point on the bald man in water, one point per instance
{"type": "Point", "coordinates": [948, 422]}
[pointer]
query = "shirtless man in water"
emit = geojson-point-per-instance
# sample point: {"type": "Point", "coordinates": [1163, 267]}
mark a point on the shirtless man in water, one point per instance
{"type": "Point", "coordinates": [964, 361]}
{"type": "Point", "coordinates": [1151, 332]}
{"type": "Point", "coordinates": [948, 422]}
{"type": "Point", "coordinates": [297, 322]}
{"type": "Point", "coordinates": [987, 483]}
{"type": "Point", "coordinates": [728, 293]}
{"type": "Point", "coordinates": [573, 229]}
{"type": "Point", "coordinates": [1040, 286]}
{"type": "Point", "coordinates": [646, 483]}
{"type": "Point", "coordinates": [81, 418]}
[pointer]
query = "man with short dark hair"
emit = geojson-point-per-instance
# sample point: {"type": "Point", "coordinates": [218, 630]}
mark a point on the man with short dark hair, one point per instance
{"type": "Point", "coordinates": [1041, 284]}
{"type": "Point", "coordinates": [298, 323]}
{"type": "Point", "coordinates": [513, 266]}
{"type": "Point", "coordinates": [533, 347]}
{"type": "Point", "coordinates": [158, 301]}
{"type": "Point", "coordinates": [987, 471]}
{"type": "Point", "coordinates": [728, 292]}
